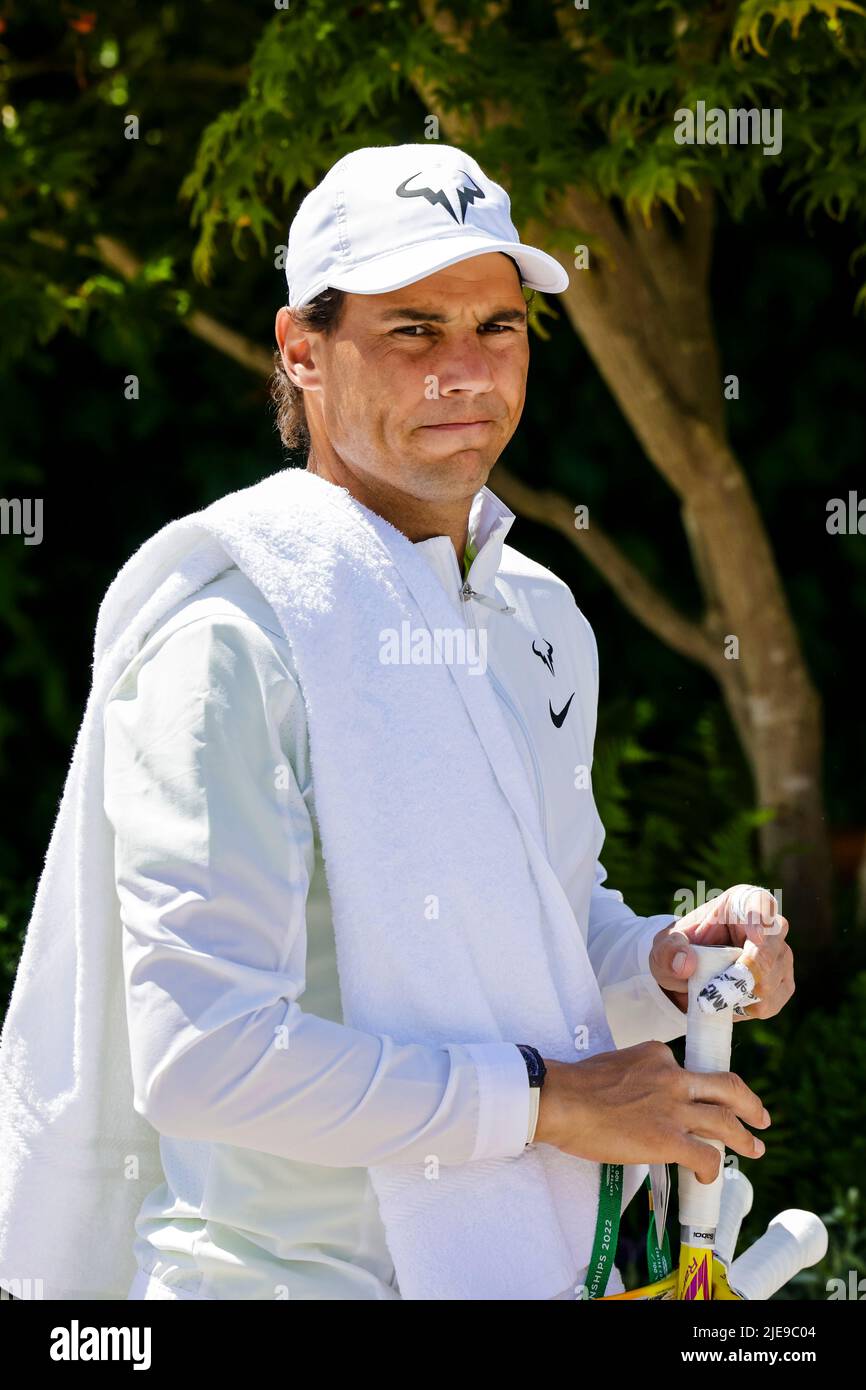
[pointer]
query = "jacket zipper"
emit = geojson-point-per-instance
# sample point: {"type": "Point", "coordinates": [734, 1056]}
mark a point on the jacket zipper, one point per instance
{"type": "Point", "coordinates": [467, 593]}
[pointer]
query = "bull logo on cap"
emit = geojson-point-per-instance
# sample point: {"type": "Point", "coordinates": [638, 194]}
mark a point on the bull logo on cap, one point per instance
{"type": "Point", "coordinates": [466, 189]}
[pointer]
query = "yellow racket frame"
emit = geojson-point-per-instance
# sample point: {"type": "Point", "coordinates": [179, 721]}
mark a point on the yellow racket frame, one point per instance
{"type": "Point", "coordinates": [667, 1288]}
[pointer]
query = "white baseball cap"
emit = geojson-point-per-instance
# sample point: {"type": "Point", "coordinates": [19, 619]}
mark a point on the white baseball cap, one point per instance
{"type": "Point", "coordinates": [387, 215]}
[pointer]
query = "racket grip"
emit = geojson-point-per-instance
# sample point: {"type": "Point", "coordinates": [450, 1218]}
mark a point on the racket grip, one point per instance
{"type": "Point", "coordinates": [708, 1049]}
{"type": "Point", "coordinates": [735, 1206]}
{"type": "Point", "coordinates": [794, 1240]}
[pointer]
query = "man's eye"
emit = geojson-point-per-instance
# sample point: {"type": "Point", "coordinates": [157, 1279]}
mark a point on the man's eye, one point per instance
{"type": "Point", "coordinates": [409, 329]}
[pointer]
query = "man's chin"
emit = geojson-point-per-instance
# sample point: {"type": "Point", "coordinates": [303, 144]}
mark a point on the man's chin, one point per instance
{"type": "Point", "coordinates": [459, 452]}
{"type": "Point", "coordinates": [462, 466]}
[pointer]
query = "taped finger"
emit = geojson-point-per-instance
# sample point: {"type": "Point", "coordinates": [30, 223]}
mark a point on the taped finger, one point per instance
{"type": "Point", "coordinates": [735, 987]}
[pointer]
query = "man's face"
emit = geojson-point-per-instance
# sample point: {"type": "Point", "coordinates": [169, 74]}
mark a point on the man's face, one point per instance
{"type": "Point", "coordinates": [422, 388]}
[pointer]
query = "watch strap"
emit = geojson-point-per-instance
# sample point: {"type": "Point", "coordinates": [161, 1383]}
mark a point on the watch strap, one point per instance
{"type": "Point", "coordinates": [534, 1107]}
{"type": "Point", "coordinates": [536, 1071]}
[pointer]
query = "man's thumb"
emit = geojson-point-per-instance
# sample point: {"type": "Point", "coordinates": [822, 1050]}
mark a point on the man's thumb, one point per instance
{"type": "Point", "coordinates": [678, 959]}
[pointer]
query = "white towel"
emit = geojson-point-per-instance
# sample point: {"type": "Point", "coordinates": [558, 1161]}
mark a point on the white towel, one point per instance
{"type": "Point", "coordinates": [421, 799]}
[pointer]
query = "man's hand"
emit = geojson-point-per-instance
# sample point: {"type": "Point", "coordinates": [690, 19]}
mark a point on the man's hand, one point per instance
{"type": "Point", "coordinates": [716, 923]}
{"type": "Point", "coordinates": [639, 1105]}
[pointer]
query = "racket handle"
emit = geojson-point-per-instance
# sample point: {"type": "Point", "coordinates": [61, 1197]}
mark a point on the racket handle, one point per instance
{"type": "Point", "coordinates": [735, 1206]}
{"type": "Point", "coordinates": [794, 1240]}
{"type": "Point", "coordinates": [708, 1048]}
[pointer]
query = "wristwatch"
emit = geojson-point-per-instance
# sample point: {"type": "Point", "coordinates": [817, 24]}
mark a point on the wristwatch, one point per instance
{"type": "Point", "coordinates": [536, 1071]}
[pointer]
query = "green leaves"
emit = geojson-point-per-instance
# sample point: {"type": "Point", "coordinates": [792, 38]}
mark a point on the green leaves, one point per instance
{"type": "Point", "coordinates": [753, 13]}
{"type": "Point", "coordinates": [248, 111]}
{"type": "Point", "coordinates": [807, 1065]}
{"type": "Point", "coordinates": [672, 819]}
{"type": "Point", "coordinates": [654, 182]}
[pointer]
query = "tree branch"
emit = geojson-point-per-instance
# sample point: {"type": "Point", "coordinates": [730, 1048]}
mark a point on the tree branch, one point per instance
{"type": "Point", "coordinates": [463, 129]}
{"type": "Point", "coordinates": [118, 257]}
{"type": "Point", "coordinates": [243, 350]}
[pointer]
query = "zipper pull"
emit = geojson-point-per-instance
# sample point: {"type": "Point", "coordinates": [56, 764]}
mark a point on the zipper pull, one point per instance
{"type": "Point", "coordinates": [467, 592]}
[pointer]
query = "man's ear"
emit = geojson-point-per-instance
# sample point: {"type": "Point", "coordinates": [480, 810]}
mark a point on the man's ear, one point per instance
{"type": "Point", "coordinates": [296, 350]}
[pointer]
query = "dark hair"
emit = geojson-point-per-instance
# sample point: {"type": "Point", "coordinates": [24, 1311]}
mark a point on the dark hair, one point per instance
{"type": "Point", "coordinates": [322, 315]}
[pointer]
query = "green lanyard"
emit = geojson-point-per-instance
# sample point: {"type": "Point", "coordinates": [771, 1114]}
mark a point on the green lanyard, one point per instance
{"type": "Point", "coordinates": [607, 1234]}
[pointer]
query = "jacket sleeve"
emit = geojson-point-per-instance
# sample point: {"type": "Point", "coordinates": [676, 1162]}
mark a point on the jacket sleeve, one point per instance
{"type": "Point", "coordinates": [618, 941]}
{"type": "Point", "coordinates": [619, 944]}
{"type": "Point", "coordinates": [206, 787]}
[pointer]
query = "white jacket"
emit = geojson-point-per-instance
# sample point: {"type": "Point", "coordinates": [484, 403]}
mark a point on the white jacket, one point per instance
{"type": "Point", "coordinates": [265, 1151]}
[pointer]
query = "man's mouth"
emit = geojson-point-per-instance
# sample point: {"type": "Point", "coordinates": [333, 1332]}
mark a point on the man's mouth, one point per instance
{"type": "Point", "coordinates": [459, 425]}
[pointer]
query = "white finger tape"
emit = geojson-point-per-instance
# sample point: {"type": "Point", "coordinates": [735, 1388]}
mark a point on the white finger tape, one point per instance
{"type": "Point", "coordinates": [736, 905]}
{"type": "Point", "coordinates": [733, 988]}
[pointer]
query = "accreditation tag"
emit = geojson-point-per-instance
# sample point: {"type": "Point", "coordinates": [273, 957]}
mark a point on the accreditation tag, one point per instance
{"type": "Point", "coordinates": [658, 1250]}
{"type": "Point", "coordinates": [660, 1187]}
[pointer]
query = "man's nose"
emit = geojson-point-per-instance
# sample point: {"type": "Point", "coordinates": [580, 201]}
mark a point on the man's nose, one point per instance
{"type": "Point", "coordinates": [463, 366]}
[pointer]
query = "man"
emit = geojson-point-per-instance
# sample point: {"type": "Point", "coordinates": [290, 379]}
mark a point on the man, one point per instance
{"type": "Point", "coordinates": [403, 361]}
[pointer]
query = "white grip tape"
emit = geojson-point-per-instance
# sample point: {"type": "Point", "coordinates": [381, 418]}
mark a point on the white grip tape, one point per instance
{"type": "Point", "coordinates": [708, 1048]}
{"type": "Point", "coordinates": [794, 1240]}
{"type": "Point", "coordinates": [735, 1206]}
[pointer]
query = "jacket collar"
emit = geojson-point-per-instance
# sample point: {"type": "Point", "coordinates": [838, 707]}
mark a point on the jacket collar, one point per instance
{"type": "Point", "coordinates": [490, 520]}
